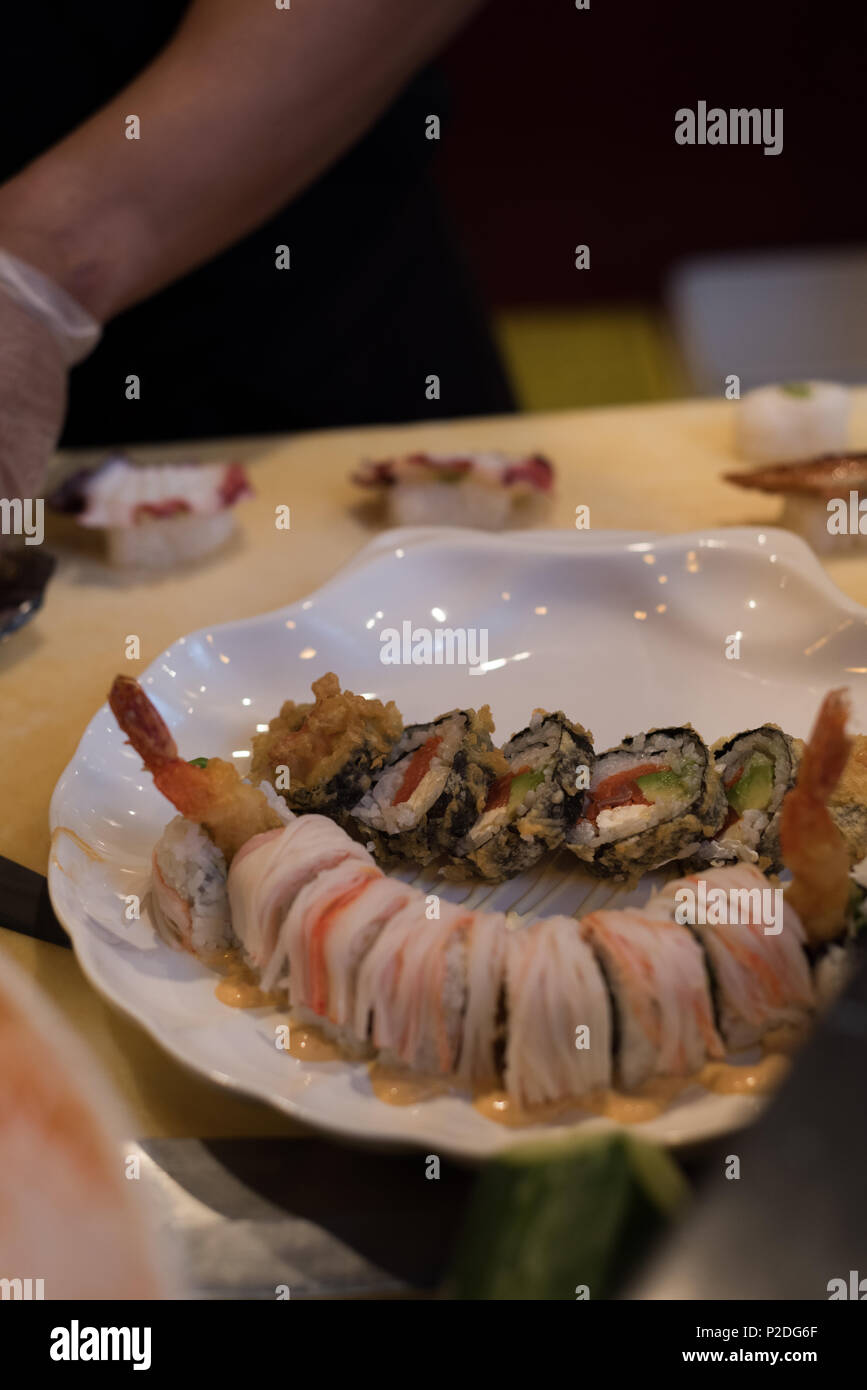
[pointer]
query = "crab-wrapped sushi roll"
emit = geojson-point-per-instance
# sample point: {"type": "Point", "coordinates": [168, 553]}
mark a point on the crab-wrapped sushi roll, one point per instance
{"type": "Point", "coordinates": [433, 787]}
{"type": "Point", "coordinates": [266, 875]}
{"type": "Point", "coordinates": [554, 987]}
{"type": "Point", "coordinates": [757, 768]}
{"type": "Point", "coordinates": [328, 931]}
{"type": "Point", "coordinates": [761, 977]}
{"type": "Point", "coordinates": [412, 988]}
{"type": "Point", "coordinates": [307, 924]}
{"type": "Point", "coordinates": [659, 982]}
{"type": "Point", "coordinates": [529, 807]}
{"type": "Point", "coordinates": [481, 1058]}
{"type": "Point", "coordinates": [322, 756]}
{"type": "Point", "coordinates": [650, 798]}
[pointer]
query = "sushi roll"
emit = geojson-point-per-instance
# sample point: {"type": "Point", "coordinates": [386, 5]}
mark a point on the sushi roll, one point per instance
{"type": "Point", "coordinates": [266, 875]}
{"type": "Point", "coordinates": [793, 421]}
{"type": "Point", "coordinates": [189, 899]}
{"type": "Point", "coordinates": [481, 1059]}
{"type": "Point", "coordinates": [412, 989]}
{"type": "Point", "coordinates": [432, 788]}
{"type": "Point", "coordinates": [553, 986]}
{"type": "Point", "coordinates": [529, 807]}
{"type": "Point", "coordinates": [757, 768]}
{"type": "Point", "coordinates": [659, 982]}
{"type": "Point", "coordinates": [650, 798]}
{"type": "Point", "coordinates": [308, 924]}
{"type": "Point", "coordinates": [327, 750]}
{"type": "Point", "coordinates": [760, 979]}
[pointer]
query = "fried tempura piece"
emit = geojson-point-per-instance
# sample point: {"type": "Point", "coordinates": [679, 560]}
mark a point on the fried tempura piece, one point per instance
{"type": "Point", "coordinates": [330, 747]}
{"type": "Point", "coordinates": [848, 804]}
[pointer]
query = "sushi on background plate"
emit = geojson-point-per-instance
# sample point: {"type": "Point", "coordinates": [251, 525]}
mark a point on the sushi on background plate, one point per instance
{"type": "Point", "coordinates": [796, 420]}
{"type": "Point", "coordinates": [158, 515]}
{"type": "Point", "coordinates": [825, 499]}
{"type": "Point", "coordinates": [484, 490]}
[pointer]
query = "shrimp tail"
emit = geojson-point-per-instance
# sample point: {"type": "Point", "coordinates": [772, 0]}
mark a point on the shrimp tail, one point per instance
{"type": "Point", "coordinates": [812, 846]}
{"type": "Point", "coordinates": [827, 752]}
{"type": "Point", "coordinates": [142, 723]}
{"type": "Point", "coordinates": [229, 809]}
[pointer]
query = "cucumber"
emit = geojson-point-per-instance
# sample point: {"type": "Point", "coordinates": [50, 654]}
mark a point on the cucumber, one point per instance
{"type": "Point", "coordinates": [548, 1220]}
{"type": "Point", "coordinates": [523, 783]}
{"type": "Point", "coordinates": [659, 786]}
{"type": "Point", "coordinates": [752, 791]}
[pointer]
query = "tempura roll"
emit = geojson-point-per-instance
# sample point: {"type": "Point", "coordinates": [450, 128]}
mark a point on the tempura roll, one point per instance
{"type": "Point", "coordinates": [650, 798]}
{"type": "Point", "coordinates": [433, 787]}
{"type": "Point", "coordinates": [757, 768]}
{"type": "Point", "coordinates": [529, 807]}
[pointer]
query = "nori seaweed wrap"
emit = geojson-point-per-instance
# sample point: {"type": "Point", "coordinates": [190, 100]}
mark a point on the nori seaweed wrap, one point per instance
{"type": "Point", "coordinates": [432, 788]}
{"type": "Point", "coordinates": [650, 799]}
{"type": "Point", "coordinates": [529, 807]}
{"type": "Point", "coordinates": [757, 768]}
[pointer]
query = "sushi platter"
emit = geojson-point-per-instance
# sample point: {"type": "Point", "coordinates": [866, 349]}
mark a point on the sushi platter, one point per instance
{"type": "Point", "coordinates": [468, 845]}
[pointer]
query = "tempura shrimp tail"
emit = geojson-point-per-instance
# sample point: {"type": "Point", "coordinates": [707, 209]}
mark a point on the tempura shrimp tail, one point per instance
{"type": "Point", "coordinates": [211, 793]}
{"type": "Point", "coordinates": [812, 845]}
{"type": "Point", "coordinates": [142, 723]}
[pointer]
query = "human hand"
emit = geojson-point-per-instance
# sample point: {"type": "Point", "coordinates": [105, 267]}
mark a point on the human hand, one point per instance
{"type": "Point", "coordinates": [33, 381]}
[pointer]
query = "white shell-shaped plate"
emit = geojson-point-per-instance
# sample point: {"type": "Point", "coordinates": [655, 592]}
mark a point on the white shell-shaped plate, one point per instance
{"type": "Point", "coordinates": [623, 631]}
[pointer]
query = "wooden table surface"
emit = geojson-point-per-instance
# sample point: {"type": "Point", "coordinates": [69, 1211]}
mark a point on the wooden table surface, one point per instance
{"type": "Point", "coordinates": [651, 468]}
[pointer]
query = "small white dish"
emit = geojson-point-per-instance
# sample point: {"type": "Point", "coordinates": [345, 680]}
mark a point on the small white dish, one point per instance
{"type": "Point", "coordinates": [622, 630]}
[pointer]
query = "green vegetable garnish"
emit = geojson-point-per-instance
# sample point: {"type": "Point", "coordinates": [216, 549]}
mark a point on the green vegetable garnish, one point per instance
{"type": "Point", "coordinates": [523, 783]}
{"type": "Point", "coordinates": [564, 1220]}
{"type": "Point", "coordinates": [796, 388]}
{"type": "Point", "coordinates": [754, 787]}
{"type": "Point", "coordinates": [198, 762]}
{"type": "Point", "coordinates": [656, 786]}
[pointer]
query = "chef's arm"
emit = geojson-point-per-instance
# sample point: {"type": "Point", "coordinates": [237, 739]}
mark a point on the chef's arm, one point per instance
{"type": "Point", "coordinates": [243, 109]}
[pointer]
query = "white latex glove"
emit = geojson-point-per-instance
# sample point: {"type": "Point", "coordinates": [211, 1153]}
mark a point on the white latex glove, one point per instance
{"type": "Point", "coordinates": [33, 380]}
